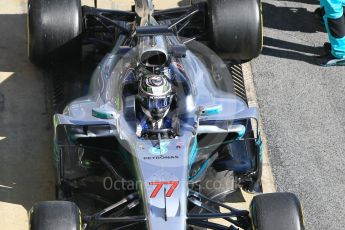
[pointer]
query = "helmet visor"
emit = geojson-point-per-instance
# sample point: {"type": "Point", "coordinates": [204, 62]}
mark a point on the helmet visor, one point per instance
{"type": "Point", "coordinates": [151, 103]}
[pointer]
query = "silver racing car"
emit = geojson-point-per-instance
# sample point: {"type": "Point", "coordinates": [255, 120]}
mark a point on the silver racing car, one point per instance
{"type": "Point", "coordinates": [164, 137]}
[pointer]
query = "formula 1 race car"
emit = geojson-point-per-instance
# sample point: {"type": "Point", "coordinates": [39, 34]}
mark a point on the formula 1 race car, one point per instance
{"type": "Point", "coordinates": [163, 138]}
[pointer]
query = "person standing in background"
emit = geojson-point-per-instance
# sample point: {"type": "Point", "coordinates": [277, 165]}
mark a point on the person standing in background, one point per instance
{"type": "Point", "coordinates": [332, 13]}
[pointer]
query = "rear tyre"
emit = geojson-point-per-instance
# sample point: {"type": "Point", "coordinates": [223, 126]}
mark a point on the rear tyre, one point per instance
{"type": "Point", "coordinates": [276, 211]}
{"type": "Point", "coordinates": [236, 28]}
{"type": "Point", "coordinates": [54, 27]}
{"type": "Point", "coordinates": [55, 215]}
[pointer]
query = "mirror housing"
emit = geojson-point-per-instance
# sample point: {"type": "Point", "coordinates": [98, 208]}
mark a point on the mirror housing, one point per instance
{"type": "Point", "coordinates": [103, 113]}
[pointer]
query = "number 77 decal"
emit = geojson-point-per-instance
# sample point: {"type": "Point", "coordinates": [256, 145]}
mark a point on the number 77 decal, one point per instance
{"type": "Point", "coordinates": [159, 185]}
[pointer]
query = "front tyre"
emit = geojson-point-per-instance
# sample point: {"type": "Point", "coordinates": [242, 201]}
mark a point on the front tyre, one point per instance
{"type": "Point", "coordinates": [236, 28]}
{"type": "Point", "coordinates": [276, 211]}
{"type": "Point", "coordinates": [55, 215]}
{"type": "Point", "coordinates": [54, 27]}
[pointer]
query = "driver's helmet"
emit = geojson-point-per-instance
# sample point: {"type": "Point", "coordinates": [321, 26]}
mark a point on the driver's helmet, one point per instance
{"type": "Point", "coordinates": [155, 96]}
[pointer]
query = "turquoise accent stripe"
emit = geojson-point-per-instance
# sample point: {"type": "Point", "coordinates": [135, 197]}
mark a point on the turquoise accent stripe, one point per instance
{"type": "Point", "coordinates": [259, 143]}
{"type": "Point", "coordinates": [242, 132]}
{"type": "Point", "coordinates": [102, 114]}
{"type": "Point", "coordinates": [193, 153]}
{"type": "Point", "coordinates": [212, 110]}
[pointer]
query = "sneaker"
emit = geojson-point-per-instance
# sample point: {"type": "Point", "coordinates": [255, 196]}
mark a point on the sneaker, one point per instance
{"type": "Point", "coordinates": [327, 47]}
{"type": "Point", "coordinates": [318, 14]}
{"type": "Point", "coordinates": [329, 60]}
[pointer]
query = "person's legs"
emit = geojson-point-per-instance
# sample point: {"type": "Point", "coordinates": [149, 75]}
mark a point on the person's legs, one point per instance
{"type": "Point", "coordinates": [335, 25]}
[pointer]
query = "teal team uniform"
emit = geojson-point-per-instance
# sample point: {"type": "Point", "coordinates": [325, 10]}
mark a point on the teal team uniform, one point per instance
{"type": "Point", "coordinates": [335, 25]}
